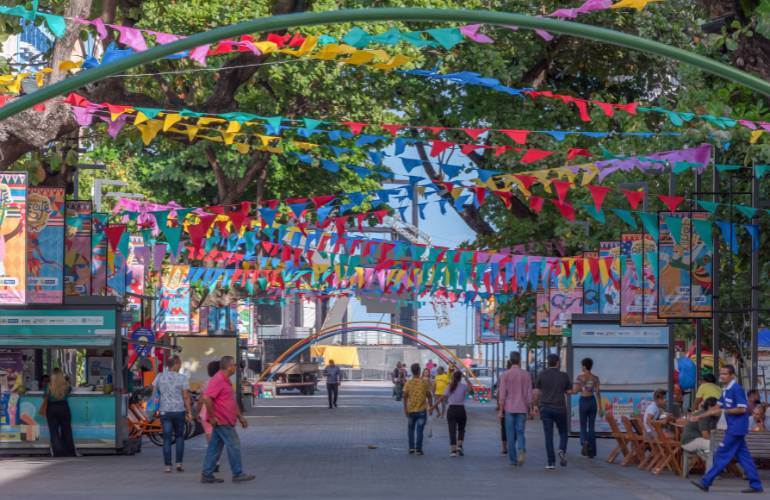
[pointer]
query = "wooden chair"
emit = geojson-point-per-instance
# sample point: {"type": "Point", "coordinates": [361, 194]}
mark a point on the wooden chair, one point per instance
{"type": "Point", "coordinates": [635, 443]}
{"type": "Point", "coordinates": [669, 450]}
{"type": "Point", "coordinates": [620, 437]}
{"type": "Point", "coordinates": [648, 451]}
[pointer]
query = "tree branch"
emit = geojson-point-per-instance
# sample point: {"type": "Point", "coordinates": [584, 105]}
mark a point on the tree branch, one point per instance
{"type": "Point", "coordinates": [219, 173]}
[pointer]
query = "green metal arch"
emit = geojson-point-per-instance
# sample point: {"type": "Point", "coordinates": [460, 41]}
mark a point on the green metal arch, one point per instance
{"type": "Point", "coordinates": [390, 14]}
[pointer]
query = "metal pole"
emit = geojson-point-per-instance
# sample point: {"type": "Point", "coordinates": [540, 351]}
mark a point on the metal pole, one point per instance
{"type": "Point", "coordinates": [671, 360]}
{"type": "Point", "coordinates": [754, 288]}
{"type": "Point", "coordinates": [698, 322]}
{"type": "Point", "coordinates": [715, 281]}
{"type": "Point", "coordinates": [276, 23]}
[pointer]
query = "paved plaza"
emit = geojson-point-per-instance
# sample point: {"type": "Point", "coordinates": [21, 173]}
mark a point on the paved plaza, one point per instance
{"type": "Point", "coordinates": [298, 448]}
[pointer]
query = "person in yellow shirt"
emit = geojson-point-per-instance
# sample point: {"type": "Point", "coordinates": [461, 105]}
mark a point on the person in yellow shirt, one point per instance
{"type": "Point", "coordinates": [707, 389]}
{"type": "Point", "coordinates": [440, 383]}
{"type": "Point", "coordinates": [417, 399]}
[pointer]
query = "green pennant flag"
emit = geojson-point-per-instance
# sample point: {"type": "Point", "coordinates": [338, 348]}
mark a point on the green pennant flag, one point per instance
{"type": "Point", "coordinates": [710, 206]}
{"type": "Point", "coordinates": [150, 113]}
{"type": "Point", "coordinates": [123, 244]}
{"type": "Point", "coordinates": [173, 235]}
{"type": "Point", "coordinates": [727, 168]}
{"type": "Point", "coordinates": [446, 37]}
{"type": "Point", "coordinates": [599, 216]}
{"type": "Point", "coordinates": [147, 237]}
{"type": "Point", "coordinates": [703, 228]}
{"type": "Point", "coordinates": [675, 228]}
{"type": "Point", "coordinates": [749, 212]}
{"type": "Point", "coordinates": [650, 223]}
{"type": "Point", "coordinates": [627, 217]}
{"type": "Point", "coordinates": [684, 166]}
{"type": "Point", "coordinates": [761, 170]}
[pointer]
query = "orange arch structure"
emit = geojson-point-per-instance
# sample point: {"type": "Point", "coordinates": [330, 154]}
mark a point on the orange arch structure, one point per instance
{"type": "Point", "coordinates": [361, 326]}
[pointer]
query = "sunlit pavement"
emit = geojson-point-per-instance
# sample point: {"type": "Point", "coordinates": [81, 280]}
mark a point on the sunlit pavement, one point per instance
{"type": "Point", "coordinates": [298, 448]}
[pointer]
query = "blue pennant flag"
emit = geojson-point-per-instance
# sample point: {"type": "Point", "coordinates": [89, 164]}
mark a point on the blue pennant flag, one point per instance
{"type": "Point", "coordinates": [376, 157]}
{"type": "Point", "coordinates": [329, 165]}
{"type": "Point", "coordinates": [753, 230]}
{"type": "Point", "coordinates": [451, 171]}
{"type": "Point", "coordinates": [729, 234]}
{"type": "Point", "coordinates": [410, 164]}
{"type": "Point", "coordinates": [268, 214]}
{"type": "Point", "coordinates": [298, 208]}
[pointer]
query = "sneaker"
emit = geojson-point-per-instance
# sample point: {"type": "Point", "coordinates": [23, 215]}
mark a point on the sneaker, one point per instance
{"type": "Point", "coordinates": [411, 451]}
{"type": "Point", "coordinates": [167, 469]}
{"type": "Point", "coordinates": [419, 452]}
{"type": "Point", "coordinates": [242, 478]}
{"type": "Point", "coordinates": [562, 458]}
{"type": "Point", "coordinates": [700, 486]}
{"type": "Point", "coordinates": [751, 490]}
{"type": "Point", "coordinates": [453, 454]}
{"type": "Point", "coordinates": [550, 467]}
{"type": "Point", "coordinates": [522, 456]}
{"type": "Point", "coordinates": [211, 479]}
{"type": "Point", "coordinates": [216, 468]}
{"type": "Point", "coordinates": [179, 468]}
{"type": "Point", "coordinates": [460, 451]}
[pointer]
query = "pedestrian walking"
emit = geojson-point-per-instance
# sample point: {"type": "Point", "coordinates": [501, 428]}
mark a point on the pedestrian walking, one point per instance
{"type": "Point", "coordinates": [440, 384]}
{"type": "Point", "coordinates": [173, 388]}
{"type": "Point", "coordinates": [515, 387]}
{"type": "Point", "coordinates": [588, 386]}
{"type": "Point", "coordinates": [333, 382]}
{"type": "Point", "coordinates": [56, 411]}
{"type": "Point", "coordinates": [212, 368]}
{"type": "Point", "coordinates": [399, 378]}
{"type": "Point", "coordinates": [733, 405]}
{"type": "Point", "coordinates": [551, 390]}
{"type": "Point", "coordinates": [417, 399]}
{"type": "Point", "coordinates": [223, 413]}
{"type": "Point", "coordinates": [456, 417]}
{"type": "Point", "coordinates": [501, 417]}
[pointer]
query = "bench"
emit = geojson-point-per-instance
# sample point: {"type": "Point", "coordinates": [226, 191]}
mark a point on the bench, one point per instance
{"type": "Point", "coordinates": [757, 442]}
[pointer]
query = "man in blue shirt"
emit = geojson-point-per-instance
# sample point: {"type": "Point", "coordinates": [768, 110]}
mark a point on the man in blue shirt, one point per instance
{"type": "Point", "coordinates": [333, 381]}
{"type": "Point", "coordinates": [733, 446]}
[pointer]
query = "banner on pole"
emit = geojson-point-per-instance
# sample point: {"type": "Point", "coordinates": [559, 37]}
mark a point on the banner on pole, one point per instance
{"type": "Point", "coordinates": [591, 286]}
{"type": "Point", "coordinates": [175, 300]}
{"type": "Point", "coordinates": [609, 277]}
{"type": "Point", "coordinates": [487, 322]}
{"type": "Point", "coordinates": [542, 314]}
{"type": "Point", "coordinates": [701, 272]}
{"type": "Point", "coordinates": [99, 254]}
{"type": "Point", "coordinates": [650, 282]}
{"type": "Point", "coordinates": [13, 238]}
{"type": "Point", "coordinates": [77, 248]}
{"type": "Point", "coordinates": [117, 263]}
{"type": "Point", "coordinates": [45, 245]}
{"type": "Point", "coordinates": [674, 265]}
{"type": "Point", "coordinates": [563, 304]}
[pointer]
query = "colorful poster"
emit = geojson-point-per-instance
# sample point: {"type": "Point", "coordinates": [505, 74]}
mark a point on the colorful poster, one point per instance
{"type": "Point", "coordinates": [650, 283]}
{"type": "Point", "coordinates": [591, 287]}
{"type": "Point", "coordinates": [99, 254]}
{"type": "Point", "coordinates": [135, 278]}
{"type": "Point", "coordinates": [244, 318]}
{"type": "Point", "coordinates": [45, 245]}
{"type": "Point", "coordinates": [619, 404]}
{"type": "Point", "coordinates": [487, 322]}
{"type": "Point", "coordinates": [609, 275]}
{"type": "Point", "coordinates": [631, 290]}
{"type": "Point", "coordinates": [117, 264]}
{"type": "Point", "coordinates": [674, 267]}
{"type": "Point", "coordinates": [563, 304]}
{"type": "Point", "coordinates": [542, 316]}
{"type": "Point", "coordinates": [13, 238]}
{"type": "Point", "coordinates": [701, 273]}
{"type": "Point", "coordinates": [77, 248]}
{"type": "Point", "coordinates": [175, 300]}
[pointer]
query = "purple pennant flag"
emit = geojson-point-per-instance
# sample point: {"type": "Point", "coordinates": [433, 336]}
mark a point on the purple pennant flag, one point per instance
{"type": "Point", "coordinates": [130, 37]}
{"type": "Point", "coordinates": [158, 253]}
{"type": "Point", "coordinates": [587, 7]}
{"type": "Point", "coordinates": [472, 31]}
{"type": "Point", "coordinates": [114, 127]}
{"type": "Point", "coordinates": [84, 116]}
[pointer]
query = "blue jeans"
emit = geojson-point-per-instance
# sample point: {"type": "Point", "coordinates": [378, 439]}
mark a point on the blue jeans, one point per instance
{"type": "Point", "coordinates": [223, 436]}
{"type": "Point", "coordinates": [417, 422]}
{"type": "Point", "coordinates": [549, 417]}
{"type": "Point", "coordinates": [587, 422]}
{"type": "Point", "coordinates": [514, 434]}
{"type": "Point", "coordinates": [173, 423]}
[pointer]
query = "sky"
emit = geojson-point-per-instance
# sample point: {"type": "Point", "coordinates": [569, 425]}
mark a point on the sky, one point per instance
{"type": "Point", "coordinates": [447, 230]}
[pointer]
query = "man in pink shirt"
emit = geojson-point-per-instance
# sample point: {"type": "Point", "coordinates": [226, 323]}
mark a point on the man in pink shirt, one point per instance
{"type": "Point", "coordinates": [223, 413]}
{"type": "Point", "coordinates": [515, 397]}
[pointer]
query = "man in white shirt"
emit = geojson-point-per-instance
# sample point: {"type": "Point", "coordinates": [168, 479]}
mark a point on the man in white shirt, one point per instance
{"type": "Point", "coordinates": [654, 411]}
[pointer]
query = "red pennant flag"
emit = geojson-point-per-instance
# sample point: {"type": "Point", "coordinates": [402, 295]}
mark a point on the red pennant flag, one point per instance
{"type": "Point", "coordinates": [297, 40]}
{"type": "Point", "coordinates": [527, 180]}
{"type": "Point", "coordinates": [271, 204]}
{"type": "Point", "coordinates": [598, 193]}
{"type": "Point", "coordinates": [607, 108]}
{"type": "Point", "coordinates": [567, 211]}
{"type": "Point", "coordinates": [536, 204]}
{"type": "Point", "coordinates": [238, 217]}
{"type": "Point", "coordinates": [439, 147]}
{"type": "Point", "coordinates": [392, 128]}
{"type": "Point", "coordinates": [562, 188]}
{"type": "Point", "coordinates": [320, 201]}
{"type": "Point", "coordinates": [434, 130]}
{"type": "Point", "coordinates": [355, 128]}
{"type": "Point", "coordinates": [114, 233]}
{"type": "Point", "coordinates": [593, 265]}
{"type": "Point", "coordinates": [574, 152]}
{"type": "Point", "coordinates": [580, 269]}
{"type": "Point", "coordinates": [340, 222]}
{"type": "Point", "coordinates": [360, 219]}
{"type": "Point", "coordinates": [116, 109]}
{"type": "Point", "coordinates": [517, 136]}
{"type": "Point", "coordinates": [467, 149]}
{"type": "Point", "coordinates": [380, 214]}
{"type": "Point", "coordinates": [533, 155]}
{"type": "Point", "coordinates": [500, 150]}
{"type": "Point", "coordinates": [630, 108]}
{"type": "Point", "coordinates": [481, 193]}
{"type": "Point", "coordinates": [199, 230]}
{"type": "Point", "coordinates": [474, 133]}
{"type": "Point", "coordinates": [505, 196]}
{"type": "Point", "coordinates": [672, 202]}
{"type": "Point", "coordinates": [74, 99]}
{"type": "Point", "coordinates": [634, 197]}
{"type": "Point", "coordinates": [581, 104]}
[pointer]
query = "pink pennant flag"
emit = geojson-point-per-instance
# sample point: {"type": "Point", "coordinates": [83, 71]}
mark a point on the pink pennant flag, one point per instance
{"type": "Point", "coordinates": [164, 38]}
{"type": "Point", "coordinates": [198, 54]}
{"type": "Point", "coordinates": [130, 37]}
{"type": "Point", "coordinates": [84, 116]}
{"type": "Point", "coordinates": [472, 31]}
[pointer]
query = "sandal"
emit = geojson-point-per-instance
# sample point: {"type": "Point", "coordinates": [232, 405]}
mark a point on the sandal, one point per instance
{"type": "Point", "coordinates": [179, 468]}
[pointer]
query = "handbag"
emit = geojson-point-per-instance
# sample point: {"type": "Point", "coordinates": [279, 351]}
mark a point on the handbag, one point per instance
{"type": "Point", "coordinates": [722, 424]}
{"type": "Point", "coordinates": [153, 404]}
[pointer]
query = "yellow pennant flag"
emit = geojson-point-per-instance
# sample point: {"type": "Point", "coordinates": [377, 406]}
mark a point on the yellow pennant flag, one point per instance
{"type": "Point", "coordinates": [40, 76]}
{"type": "Point", "coordinates": [242, 148]}
{"type": "Point", "coordinates": [604, 273]}
{"type": "Point", "coordinates": [192, 131]}
{"type": "Point", "coordinates": [396, 61]}
{"type": "Point", "coordinates": [170, 120]}
{"type": "Point", "coordinates": [233, 127]}
{"type": "Point", "coordinates": [307, 46]}
{"type": "Point", "coordinates": [589, 172]}
{"type": "Point", "coordinates": [149, 130]}
{"type": "Point", "coordinates": [755, 135]}
{"type": "Point", "coordinates": [206, 120]}
{"type": "Point", "coordinates": [633, 4]}
{"type": "Point", "coordinates": [359, 57]}
{"type": "Point", "coordinates": [331, 51]}
{"type": "Point", "coordinates": [140, 118]}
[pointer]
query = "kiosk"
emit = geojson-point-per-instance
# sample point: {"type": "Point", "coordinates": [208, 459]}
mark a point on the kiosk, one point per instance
{"type": "Point", "coordinates": [83, 334]}
{"type": "Point", "coordinates": [631, 363]}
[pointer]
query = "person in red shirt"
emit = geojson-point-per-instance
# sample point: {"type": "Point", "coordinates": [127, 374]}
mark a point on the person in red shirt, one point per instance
{"type": "Point", "coordinates": [223, 412]}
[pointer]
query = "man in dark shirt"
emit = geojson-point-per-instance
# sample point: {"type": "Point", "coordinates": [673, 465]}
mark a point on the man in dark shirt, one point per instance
{"type": "Point", "coordinates": [697, 432]}
{"type": "Point", "coordinates": [333, 381]}
{"type": "Point", "coordinates": [551, 389]}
